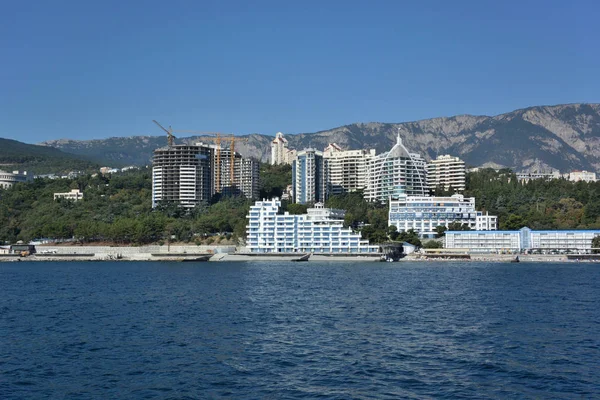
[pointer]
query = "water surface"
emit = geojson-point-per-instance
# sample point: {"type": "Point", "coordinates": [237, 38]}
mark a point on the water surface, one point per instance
{"type": "Point", "coordinates": [254, 330]}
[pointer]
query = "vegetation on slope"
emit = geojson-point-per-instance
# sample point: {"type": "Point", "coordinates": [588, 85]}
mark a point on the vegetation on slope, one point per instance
{"type": "Point", "coordinates": [15, 155]}
{"type": "Point", "coordinates": [117, 209]}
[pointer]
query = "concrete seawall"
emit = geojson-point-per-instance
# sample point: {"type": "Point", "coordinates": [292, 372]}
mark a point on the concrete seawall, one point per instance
{"type": "Point", "coordinates": [154, 252]}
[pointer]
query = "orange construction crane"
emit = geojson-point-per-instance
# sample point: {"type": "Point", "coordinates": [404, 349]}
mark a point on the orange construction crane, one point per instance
{"type": "Point", "coordinates": [218, 139]}
{"type": "Point", "coordinates": [170, 136]}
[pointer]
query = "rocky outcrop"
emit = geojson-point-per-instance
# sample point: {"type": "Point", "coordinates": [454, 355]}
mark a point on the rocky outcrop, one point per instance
{"type": "Point", "coordinates": [563, 137]}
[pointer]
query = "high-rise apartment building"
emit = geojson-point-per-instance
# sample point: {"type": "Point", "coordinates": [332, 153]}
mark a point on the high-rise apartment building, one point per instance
{"type": "Point", "coordinates": [395, 173]}
{"type": "Point", "coordinates": [244, 173]}
{"type": "Point", "coordinates": [182, 174]}
{"type": "Point", "coordinates": [309, 177]}
{"type": "Point", "coordinates": [446, 172]}
{"type": "Point", "coordinates": [346, 170]}
{"type": "Point", "coordinates": [280, 154]}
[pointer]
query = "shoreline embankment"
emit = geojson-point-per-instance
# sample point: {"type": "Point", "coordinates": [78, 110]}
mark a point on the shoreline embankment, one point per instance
{"type": "Point", "coordinates": [231, 253]}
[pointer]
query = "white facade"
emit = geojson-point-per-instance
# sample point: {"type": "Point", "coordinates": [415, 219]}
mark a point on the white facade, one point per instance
{"type": "Point", "coordinates": [486, 222]}
{"type": "Point", "coordinates": [309, 177]}
{"type": "Point", "coordinates": [8, 179]}
{"type": "Point", "coordinates": [586, 176]}
{"type": "Point", "coordinates": [483, 241]}
{"type": "Point", "coordinates": [74, 195]}
{"type": "Point", "coordinates": [396, 173]}
{"type": "Point", "coordinates": [524, 239]}
{"type": "Point", "coordinates": [423, 214]}
{"type": "Point", "coordinates": [346, 170]}
{"type": "Point", "coordinates": [280, 154]}
{"type": "Point", "coordinates": [526, 177]}
{"type": "Point", "coordinates": [321, 230]}
{"type": "Point", "coordinates": [447, 172]}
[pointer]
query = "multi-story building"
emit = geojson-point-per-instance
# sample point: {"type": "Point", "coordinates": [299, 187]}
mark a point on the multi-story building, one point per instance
{"type": "Point", "coordinates": [395, 173]}
{"type": "Point", "coordinates": [244, 173]}
{"type": "Point", "coordinates": [321, 230]}
{"type": "Point", "coordinates": [73, 195]}
{"type": "Point", "coordinates": [525, 177]}
{"type": "Point", "coordinates": [446, 172]}
{"type": "Point", "coordinates": [182, 174]}
{"type": "Point", "coordinates": [524, 239]}
{"type": "Point", "coordinates": [8, 179]}
{"type": "Point", "coordinates": [309, 177]}
{"type": "Point", "coordinates": [486, 222]}
{"type": "Point", "coordinates": [280, 154]}
{"type": "Point", "coordinates": [423, 214]}
{"type": "Point", "coordinates": [346, 170]}
{"type": "Point", "coordinates": [585, 176]}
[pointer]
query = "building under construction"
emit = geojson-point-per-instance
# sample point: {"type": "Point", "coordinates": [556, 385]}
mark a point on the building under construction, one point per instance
{"type": "Point", "coordinates": [190, 174]}
{"type": "Point", "coordinates": [182, 174]}
{"type": "Point", "coordinates": [241, 179]}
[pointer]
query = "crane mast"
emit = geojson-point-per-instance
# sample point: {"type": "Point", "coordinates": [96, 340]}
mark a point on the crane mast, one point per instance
{"type": "Point", "coordinates": [218, 138]}
{"type": "Point", "coordinates": [170, 136]}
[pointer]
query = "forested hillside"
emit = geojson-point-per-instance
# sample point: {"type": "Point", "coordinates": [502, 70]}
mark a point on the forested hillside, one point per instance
{"type": "Point", "coordinates": [117, 209]}
{"type": "Point", "coordinates": [539, 204]}
{"type": "Point", "coordinates": [15, 155]}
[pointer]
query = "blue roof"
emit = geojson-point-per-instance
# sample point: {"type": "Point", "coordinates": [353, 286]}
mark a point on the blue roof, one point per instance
{"type": "Point", "coordinates": [543, 231]}
{"type": "Point", "coordinates": [488, 232]}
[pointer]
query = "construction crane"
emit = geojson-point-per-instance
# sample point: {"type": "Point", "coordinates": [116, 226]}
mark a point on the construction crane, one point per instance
{"type": "Point", "coordinates": [170, 136]}
{"type": "Point", "coordinates": [218, 138]}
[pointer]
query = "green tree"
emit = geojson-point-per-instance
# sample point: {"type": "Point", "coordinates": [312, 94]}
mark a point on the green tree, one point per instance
{"type": "Point", "coordinates": [440, 231]}
{"type": "Point", "coordinates": [297, 208]}
{"type": "Point", "coordinates": [433, 244]}
{"type": "Point", "coordinates": [596, 245]}
{"type": "Point", "coordinates": [514, 222]}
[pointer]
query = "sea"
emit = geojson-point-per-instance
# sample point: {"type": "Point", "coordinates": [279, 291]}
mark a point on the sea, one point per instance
{"type": "Point", "coordinates": [283, 330]}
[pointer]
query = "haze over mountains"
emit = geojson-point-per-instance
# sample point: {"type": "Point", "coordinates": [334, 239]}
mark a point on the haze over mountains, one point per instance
{"type": "Point", "coordinates": [564, 137]}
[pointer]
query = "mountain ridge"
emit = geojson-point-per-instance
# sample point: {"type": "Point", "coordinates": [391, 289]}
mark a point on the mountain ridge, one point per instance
{"type": "Point", "coordinates": [39, 159]}
{"type": "Point", "coordinates": [562, 136]}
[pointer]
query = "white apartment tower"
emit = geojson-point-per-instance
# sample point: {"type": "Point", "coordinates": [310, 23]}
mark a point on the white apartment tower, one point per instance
{"type": "Point", "coordinates": [346, 170]}
{"type": "Point", "coordinates": [309, 177]}
{"type": "Point", "coordinates": [446, 172]}
{"type": "Point", "coordinates": [182, 174]}
{"type": "Point", "coordinates": [279, 150]}
{"type": "Point", "coordinates": [395, 173]}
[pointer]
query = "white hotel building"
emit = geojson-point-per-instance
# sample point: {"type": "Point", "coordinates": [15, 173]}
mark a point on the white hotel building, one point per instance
{"type": "Point", "coordinates": [524, 239]}
{"type": "Point", "coordinates": [321, 231]}
{"type": "Point", "coordinates": [423, 214]}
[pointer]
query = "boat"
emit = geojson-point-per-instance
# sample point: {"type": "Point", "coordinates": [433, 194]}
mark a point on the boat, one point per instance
{"type": "Point", "coordinates": [516, 259]}
{"type": "Point", "coordinates": [303, 258]}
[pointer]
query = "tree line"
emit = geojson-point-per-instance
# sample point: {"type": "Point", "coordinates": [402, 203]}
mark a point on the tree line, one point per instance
{"type": "Point", "coordinates": [117, 208]}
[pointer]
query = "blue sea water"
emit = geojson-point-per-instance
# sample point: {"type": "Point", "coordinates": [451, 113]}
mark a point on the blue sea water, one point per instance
{"type": "Point", "coordinates": [253, 330]}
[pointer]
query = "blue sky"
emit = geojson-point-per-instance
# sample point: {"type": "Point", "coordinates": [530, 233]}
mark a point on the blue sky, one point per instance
{"type": "Point", "coordinates": [95, 69]}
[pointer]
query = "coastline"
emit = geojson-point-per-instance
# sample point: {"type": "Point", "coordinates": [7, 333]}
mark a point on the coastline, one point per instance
{"type": "Point", "coordinates": [228, 254]}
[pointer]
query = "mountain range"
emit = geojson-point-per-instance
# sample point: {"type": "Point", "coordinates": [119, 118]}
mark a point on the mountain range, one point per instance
{"type": "Point", "coordinates": [563, 137]}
